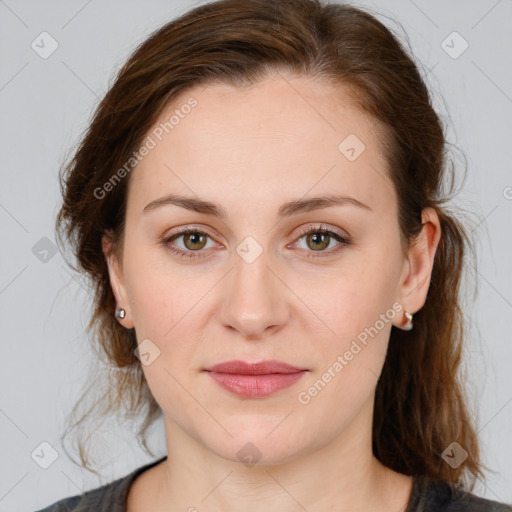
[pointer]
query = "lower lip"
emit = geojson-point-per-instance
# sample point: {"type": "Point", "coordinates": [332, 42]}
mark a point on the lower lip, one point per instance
{"type": "Point", "coordinates": [255, 386]}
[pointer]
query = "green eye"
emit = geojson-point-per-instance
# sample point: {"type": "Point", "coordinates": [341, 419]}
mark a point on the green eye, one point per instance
{"type": "Point", "coordinates": [318, 239]}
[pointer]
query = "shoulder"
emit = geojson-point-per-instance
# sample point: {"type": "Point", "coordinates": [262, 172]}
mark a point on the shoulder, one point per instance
{"type": "Point", "coordinates": [64, 505]}
{"type": "Point", "coordinates": [109, 497]}
{"type": "Point", "coordinates": [432, 495]}
{"type": "Point", "coordinates": [95, 499]}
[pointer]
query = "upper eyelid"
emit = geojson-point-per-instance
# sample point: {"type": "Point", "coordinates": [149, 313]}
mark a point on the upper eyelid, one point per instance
{"type": "Point", "coordinates": [302, 232]}
{"type": "Point", "coordinates": [323, 227]}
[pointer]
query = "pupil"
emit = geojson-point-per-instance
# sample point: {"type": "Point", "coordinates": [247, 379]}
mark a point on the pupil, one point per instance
{"type": "Point", "coordinates": [319, 239]}
{"type": "Point", "coordinates": [194, 238]}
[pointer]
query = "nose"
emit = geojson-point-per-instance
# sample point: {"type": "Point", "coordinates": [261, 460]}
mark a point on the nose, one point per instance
{"type": "Point", "coordinates": [255, 303]}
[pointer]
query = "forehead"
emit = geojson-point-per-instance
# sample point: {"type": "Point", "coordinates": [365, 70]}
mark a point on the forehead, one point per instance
{"type": "Point", "coordinates": [283, 136]}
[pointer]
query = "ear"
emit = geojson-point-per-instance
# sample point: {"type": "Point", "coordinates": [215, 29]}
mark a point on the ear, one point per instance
{"type": "Point", "coordinates": [415, 280]}
{"type": "Point", "coordinates": [115, 272]}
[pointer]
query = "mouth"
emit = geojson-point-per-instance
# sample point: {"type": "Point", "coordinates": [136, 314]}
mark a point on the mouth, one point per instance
{"type": "Point", "coordinates": [255, 380]}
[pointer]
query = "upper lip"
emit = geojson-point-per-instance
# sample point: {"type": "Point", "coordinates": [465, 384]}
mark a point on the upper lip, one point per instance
{"type": "Point", "coordinates": [260, 368]}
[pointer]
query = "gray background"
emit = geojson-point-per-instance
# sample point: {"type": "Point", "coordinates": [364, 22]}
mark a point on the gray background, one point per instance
{"type": "Point", "coordinates": [45, 105]}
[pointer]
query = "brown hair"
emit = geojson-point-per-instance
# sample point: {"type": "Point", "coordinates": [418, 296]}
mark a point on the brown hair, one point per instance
{"type": "Point", "coordinates": [420, 403]}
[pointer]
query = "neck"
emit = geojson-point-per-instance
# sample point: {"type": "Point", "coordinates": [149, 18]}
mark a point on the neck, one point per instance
{"type": "Point", "coordinates": [342, 474]}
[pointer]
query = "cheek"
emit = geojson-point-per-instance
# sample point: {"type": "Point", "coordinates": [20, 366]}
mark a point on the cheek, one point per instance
{"type": "Point", "coordinates": [167, 309]}
{"type": "Point", "coordinates": [159, 294]}
{"type": "Point", "coordinates": [357, 312]}
{"type": "Point", "coordinates": [349, 362]}
{"type": "Point", "coordinates": [352, 298]}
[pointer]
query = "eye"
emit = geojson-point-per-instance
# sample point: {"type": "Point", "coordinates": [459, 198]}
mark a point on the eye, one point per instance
{"type": "Point", "coordinates": [193, 239]}
{"type": "Point", "coordinates": [317, 239]}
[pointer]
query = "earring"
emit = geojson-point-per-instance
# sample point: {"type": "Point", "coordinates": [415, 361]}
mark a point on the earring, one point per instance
{"type": "Point", "coordinates": [120, 312]}
{"type": "Point", "coordinates": [408, 325]}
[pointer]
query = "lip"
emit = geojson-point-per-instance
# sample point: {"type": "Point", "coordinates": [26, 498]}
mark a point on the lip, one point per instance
{"type": "Point", "coordinates": [260, 368]}
{"type": "Point", "coordinates": [255, 380]}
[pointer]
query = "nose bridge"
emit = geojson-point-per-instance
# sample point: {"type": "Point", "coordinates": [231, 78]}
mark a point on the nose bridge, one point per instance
{"type": "Point", "coordinates": [254, 299]}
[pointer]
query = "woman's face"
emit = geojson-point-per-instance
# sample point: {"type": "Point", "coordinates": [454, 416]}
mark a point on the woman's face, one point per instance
{"type": "Point", "coordinates": [248, 284]}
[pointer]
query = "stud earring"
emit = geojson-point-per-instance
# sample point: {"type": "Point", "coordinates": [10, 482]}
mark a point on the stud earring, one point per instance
{"type": "Point", "coordinates": [120, 312]}
{"type": "Point", "coordinates": [408, 325]}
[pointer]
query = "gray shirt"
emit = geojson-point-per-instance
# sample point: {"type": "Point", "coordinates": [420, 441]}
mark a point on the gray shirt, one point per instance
{"type": "Point", "coordinates": [428, 495]}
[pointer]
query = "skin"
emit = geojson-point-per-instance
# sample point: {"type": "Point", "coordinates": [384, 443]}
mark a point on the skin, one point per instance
{"type": "Point", "coordinates": [250, 150]}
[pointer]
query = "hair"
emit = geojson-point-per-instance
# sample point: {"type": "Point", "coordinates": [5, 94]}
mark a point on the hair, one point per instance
{"type": "Point", "coordinates": [420, 403]}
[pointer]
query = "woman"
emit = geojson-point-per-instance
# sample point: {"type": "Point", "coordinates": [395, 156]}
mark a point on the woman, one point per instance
{"type": "Point", "coordinates": [259, 202]}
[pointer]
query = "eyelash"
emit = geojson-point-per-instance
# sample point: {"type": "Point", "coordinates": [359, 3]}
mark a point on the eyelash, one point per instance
{"type": "Point", "coordinates": [312, 229]}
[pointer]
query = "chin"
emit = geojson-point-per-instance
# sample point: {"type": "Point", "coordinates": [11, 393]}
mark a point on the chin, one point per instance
{"type": "Point", "coordinates": [253, 446]}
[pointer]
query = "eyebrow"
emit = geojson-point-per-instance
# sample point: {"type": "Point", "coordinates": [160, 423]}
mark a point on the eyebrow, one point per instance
{"type": "Point", "coordinates": [288, 209]}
